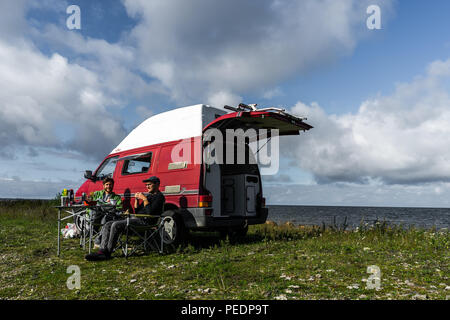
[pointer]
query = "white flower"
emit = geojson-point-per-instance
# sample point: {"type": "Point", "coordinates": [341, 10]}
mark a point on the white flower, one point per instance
{"type": "Point", "coordinates": [285, 277]}
{"type": "Point", "coordinates": [353, 286]}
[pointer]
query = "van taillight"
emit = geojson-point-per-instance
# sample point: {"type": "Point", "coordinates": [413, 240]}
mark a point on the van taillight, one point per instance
{"type": "Point", "coordinates": [204, 201]}
{"type": "Point", "coordinates": [263, 202]}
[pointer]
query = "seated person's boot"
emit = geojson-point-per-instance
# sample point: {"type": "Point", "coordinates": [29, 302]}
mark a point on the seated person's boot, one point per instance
{"type": "Point", "coordinates": [98, 256]}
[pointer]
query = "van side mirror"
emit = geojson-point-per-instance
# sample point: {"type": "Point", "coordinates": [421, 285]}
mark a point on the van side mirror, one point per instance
{"type": "Point", "coordinates": [88, 175]}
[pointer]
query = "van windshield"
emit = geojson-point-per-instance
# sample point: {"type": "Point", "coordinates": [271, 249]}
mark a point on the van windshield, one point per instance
{"type": "Point", "coordinates": [107, 168]}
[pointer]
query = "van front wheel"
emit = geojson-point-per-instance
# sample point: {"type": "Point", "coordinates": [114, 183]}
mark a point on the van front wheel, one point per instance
{"type": "Point", "coordinates": [172, 230]}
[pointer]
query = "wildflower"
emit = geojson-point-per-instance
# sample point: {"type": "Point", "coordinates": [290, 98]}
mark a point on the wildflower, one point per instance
{"type": "Point", "coordinates": [285, 277]}
{"type": "Point", "coordinates": [353, 286]}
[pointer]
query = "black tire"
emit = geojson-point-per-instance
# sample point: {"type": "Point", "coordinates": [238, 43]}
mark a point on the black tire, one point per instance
{"type": "Point", "coordinates": [173, 230]}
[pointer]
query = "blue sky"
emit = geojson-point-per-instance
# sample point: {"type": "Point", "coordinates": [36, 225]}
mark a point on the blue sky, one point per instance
{"type": "Point", "coordinates": [378, 99]}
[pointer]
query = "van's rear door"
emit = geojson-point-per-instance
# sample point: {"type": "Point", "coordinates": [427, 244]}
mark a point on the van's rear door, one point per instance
{"type": "Point", "coordinates": [238, 193]}
{"type": "Point", "coordinates": [286, 123]}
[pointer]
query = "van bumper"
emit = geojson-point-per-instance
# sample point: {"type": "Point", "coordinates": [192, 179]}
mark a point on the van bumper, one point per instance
{"type": "Point", "coordinates": [195, 218]}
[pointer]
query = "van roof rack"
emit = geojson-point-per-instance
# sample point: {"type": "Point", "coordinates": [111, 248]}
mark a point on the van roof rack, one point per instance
{"type": "Point", "coordinates": [252, 107]}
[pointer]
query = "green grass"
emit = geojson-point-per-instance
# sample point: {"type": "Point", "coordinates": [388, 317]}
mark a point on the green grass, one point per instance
{"type": "Point", "coordinates": [272, 262]}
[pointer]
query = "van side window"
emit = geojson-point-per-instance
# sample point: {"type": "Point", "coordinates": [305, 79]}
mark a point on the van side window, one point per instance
{"type": "Point", "coordinates": [138, 165]}
{"type": "Point", "coordinates": [107, 168]}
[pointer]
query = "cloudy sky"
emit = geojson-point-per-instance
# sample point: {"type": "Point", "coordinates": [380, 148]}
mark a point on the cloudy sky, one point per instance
{"type": "Point", "coordinates": [379, 99]}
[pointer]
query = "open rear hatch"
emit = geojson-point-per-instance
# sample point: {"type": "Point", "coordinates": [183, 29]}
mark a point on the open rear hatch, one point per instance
{"type": "Point", "coordinates": [248, 117]}
{"type": "Point", "coordinates": [235, 187]}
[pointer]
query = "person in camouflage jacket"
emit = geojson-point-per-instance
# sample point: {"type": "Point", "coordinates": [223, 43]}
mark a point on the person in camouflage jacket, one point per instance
{"type": "Point", "coordinates": [106, 196]}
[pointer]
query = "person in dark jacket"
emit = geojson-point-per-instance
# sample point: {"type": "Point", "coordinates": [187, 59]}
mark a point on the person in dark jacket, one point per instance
{"type": "Point", "coordinates": [154, 201]}
{"type": "Point", "coordinates": [152, 204]}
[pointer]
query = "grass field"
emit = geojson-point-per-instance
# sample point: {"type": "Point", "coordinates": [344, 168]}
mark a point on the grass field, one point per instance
{"type": "Point", "coordinates": [272, 262]}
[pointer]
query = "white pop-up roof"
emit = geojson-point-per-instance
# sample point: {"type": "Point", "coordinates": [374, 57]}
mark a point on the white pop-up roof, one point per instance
{"type": "Point", "coordinates": [172, 125]}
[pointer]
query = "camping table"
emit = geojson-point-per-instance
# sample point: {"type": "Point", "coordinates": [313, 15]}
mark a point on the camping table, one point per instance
{"type": "Point", "coordinates": [80, 211]}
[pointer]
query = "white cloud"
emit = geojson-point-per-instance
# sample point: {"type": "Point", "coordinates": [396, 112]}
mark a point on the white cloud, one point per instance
{"type": "Point", "coordinates": [221, 98]}
{"type": "Point", "coordinates": [401, 138]}
{"type": "Point", "coordinates": [39, 93]}
{"type": "Point", "coordinates": [200, 48]}
{"type": "Point", "coordinates": [56, 101]}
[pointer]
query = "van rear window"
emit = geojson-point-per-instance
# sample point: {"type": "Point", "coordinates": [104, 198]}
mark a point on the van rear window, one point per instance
{"type": "Point", "coordinates": [138, 165]}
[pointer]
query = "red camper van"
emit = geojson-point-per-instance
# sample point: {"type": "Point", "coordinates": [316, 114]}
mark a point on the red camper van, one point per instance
{"type": "Point", "coordinates": [199, 196]}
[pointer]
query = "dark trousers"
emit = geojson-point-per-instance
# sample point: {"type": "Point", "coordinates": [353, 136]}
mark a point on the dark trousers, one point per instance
{"type": "Point", "coordinates": [112, 230]}
{"type": "Point", "coordinates": [100, 218]}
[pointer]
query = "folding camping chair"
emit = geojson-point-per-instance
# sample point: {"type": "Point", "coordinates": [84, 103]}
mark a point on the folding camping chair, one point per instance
{"type": "Point", "coordinates": [149, 236]}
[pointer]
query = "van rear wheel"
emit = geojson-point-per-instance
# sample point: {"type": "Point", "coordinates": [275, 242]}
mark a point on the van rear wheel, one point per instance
{"type": "Point", "coordinates": [172, 231]}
